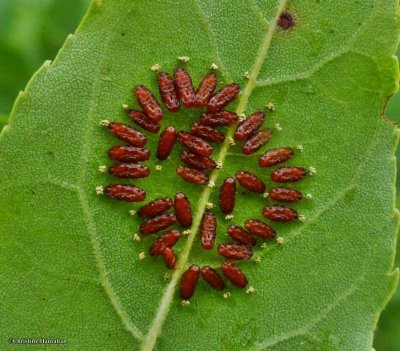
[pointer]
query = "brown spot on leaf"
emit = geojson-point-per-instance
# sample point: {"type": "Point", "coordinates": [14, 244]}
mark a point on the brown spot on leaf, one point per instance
{"type": "Point", "coordinates": [286, 20]}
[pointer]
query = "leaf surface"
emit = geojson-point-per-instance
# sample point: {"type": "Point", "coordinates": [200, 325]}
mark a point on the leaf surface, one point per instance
{"type": "Point", "coordinates": [69, 266]}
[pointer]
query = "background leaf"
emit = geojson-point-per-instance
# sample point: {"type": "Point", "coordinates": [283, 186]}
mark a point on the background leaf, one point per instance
{"type": "Point", "coordinates": [30, 32]}
{"type": "Point", "coordinates": [329, 83]}
{"type": "Point", "coordinates": [3, 120]}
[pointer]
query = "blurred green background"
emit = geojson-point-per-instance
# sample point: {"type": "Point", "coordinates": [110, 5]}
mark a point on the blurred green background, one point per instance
{"type": "Point", "coordinates": [32, 31]}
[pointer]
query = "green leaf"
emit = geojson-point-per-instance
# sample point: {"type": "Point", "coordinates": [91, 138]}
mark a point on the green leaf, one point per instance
{"type": "Point", "coordinates": [387, 337]}
{"type": "Point", "coordinates": [70, 269]}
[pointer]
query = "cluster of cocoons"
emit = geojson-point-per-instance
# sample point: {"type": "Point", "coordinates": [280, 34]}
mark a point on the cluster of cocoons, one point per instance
{"type": "Point", "coordinates": [162, 213]}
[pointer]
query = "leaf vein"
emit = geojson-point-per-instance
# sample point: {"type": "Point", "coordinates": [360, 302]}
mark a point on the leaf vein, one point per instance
{"type": "Point", "coordinates": [304, 330]}
{"type": "Point", "coordinates": [128, 324]}
{"type": "Point", "coordinates": [350, 187]}
{"type": "Point", "coordinates": [212, 37]}
{"type": "Point", "coordinates": [161, 314]}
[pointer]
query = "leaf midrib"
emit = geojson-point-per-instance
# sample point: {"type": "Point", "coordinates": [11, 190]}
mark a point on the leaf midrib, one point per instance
{"type": "Point", "coordinates": [163, 310]}
{"type": "Point", "coordinates": [104, 280]}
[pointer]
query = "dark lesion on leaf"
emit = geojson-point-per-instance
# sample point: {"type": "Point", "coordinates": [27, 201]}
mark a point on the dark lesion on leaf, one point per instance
{"type": "Point", "coordinates": [286, 20]}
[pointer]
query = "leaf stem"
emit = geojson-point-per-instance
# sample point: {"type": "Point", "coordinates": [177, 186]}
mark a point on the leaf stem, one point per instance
{"type": "Point", "coordinates": [157, 324]}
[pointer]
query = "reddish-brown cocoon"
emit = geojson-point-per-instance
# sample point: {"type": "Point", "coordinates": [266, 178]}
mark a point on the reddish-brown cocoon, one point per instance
{"type": "Point", "coordinates": [257, 141]}
{"type": "Point", "coordinates": [233, 273]}
{"type": "Point", "coordinates": [125, 192]}
{"type": "Point", "coordinates": [211, 276]}
{"type": "Point", "coordinates": [288, 174]}
{"type": "Point", "coordinates": [127, 153]}
{"type": "Point", "coordinates": [240, 235]}
{"type": "Point", "coordinates": [250, 182]}
{"type": "Point", "coordinates": [223, 97]}
{"type": "Point", "coordinates": [167, 239]}
{"type": "Point", "coordinates": [275, 156]}
{"type": "Point", "coordinates": [192, 175]}
{"type": "Point", "coordinates": [143, 121]}
{"type": "Point", "coordinates": [129, 170]}
{"type": "Point", "coordinates": [260, 229]}
{"type": "Point", "coordinates": [217, 119]}
{"type": "Point", "coordinates": [184, 87]}
{"type": "Point", "coordinates": [169, 257]}
{"type": "Point", "coordinates": [235, 251]}
{"type": "Point", "coordinates": [157, 248]}
{"type": "Point", "coordinates": [284, 194]}
{"type": "Point", "coordinates": [158, 223]}
{"type": "Point", "coordinates": [197, 162]}
{"type": "Point", "coordinates": [148, 103]}
{"type": "Point", "coordinates": [227, 195]}
{"type": "Point", "coordinates": [155, 207]}
{"type": "Point", "coordinates": [183, 210]}
{"type": "Point", "coordinates": [249, 126]}
{"type": "Point", "coordinates": [194, 144]}
{"type": "Point", "coordinates": [206, 89]}
{"type": "Point", "coordinates": [128, 134]}
{"type": "Point", "coordinates": [280, 213]}
{"type": "Point", "coordinates": [170, 238]}
{"type": "Point", "coordinates": [208, 230]}
{"type": "Point", "coordinates": [207, 133]}
{"type": "Point", "coordinates": [166, 143]}
{"type": "Point", "coordinates": [167, 91]}
{"type": "Point", "coordinates": [189, 282]}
